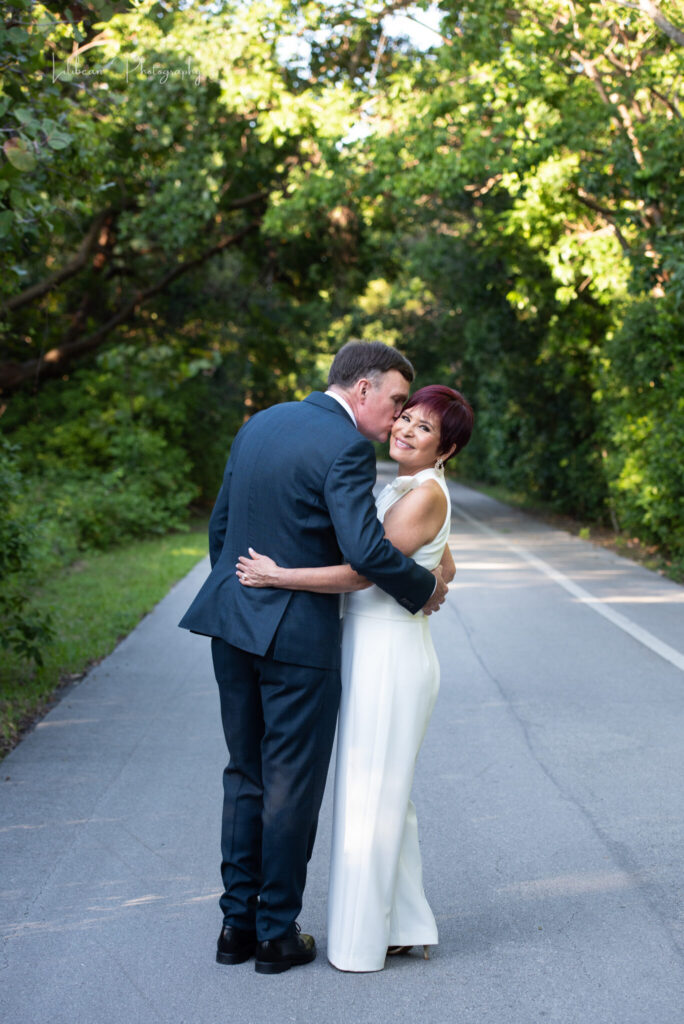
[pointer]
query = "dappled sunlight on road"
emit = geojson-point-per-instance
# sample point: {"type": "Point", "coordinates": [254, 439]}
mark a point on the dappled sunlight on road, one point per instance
{"type": "Point", "coordinates": [51, 824]}
{"type": "Point", "coordinates": [486, 566]}
{"type": "Point", "coordinates": [574, 884]}
{"type": "Point", "coordinates": [647, 599]}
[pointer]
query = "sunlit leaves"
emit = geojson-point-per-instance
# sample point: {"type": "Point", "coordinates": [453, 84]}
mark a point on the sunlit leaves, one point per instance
{"type": "Point", "coordinates": [20, 154]}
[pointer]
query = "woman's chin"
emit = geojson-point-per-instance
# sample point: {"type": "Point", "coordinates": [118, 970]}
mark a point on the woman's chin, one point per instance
{"type": "Point", "coordinates": [400, 463]}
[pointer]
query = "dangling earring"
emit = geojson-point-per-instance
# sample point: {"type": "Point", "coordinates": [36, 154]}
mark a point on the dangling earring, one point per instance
{"type": "Point", "coordinates": [439, 464]}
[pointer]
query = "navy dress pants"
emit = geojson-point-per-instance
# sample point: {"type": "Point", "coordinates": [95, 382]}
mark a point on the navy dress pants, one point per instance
{"type": "Point", "coordinates": [279, 723]}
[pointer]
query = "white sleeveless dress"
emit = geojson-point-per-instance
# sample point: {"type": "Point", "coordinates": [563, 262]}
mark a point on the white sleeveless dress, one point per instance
{"type": "Point", "coordinates": [390, 679]}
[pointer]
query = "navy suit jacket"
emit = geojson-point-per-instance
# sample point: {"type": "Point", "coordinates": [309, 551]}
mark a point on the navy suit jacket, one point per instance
{"type": "Point", "coordinates": [297, 487]}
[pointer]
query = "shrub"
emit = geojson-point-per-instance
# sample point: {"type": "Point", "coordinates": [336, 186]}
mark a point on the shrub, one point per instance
{"type": "Point", "coordinates": [644, 413]}
{"type": "Point", "coordinates": [100, 455]}
{"type": "Point", "coordinates": [23, 629]}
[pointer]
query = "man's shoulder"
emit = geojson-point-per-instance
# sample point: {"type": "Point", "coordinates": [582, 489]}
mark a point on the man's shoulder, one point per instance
{"type": "Point", "coordinates": [318, 408]}
{"type": "Point", "coordinates": [307, 430]}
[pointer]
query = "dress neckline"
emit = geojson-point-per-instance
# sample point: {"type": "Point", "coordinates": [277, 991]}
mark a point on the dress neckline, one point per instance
{"type": "Point", "coordinates": [401, 485]}
{"type": "Point", "coordinates": [423, 474]}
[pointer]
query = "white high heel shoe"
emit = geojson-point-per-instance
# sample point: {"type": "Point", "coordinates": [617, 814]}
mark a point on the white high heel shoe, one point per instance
{"type": "Point", "coordinates": [401, 950]}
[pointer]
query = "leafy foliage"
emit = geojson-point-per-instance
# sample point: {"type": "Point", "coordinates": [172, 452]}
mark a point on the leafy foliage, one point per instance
{"type": "Point", "coordinates": [24, 630]}
{"type": "Point", "coordinates": [644, 400]}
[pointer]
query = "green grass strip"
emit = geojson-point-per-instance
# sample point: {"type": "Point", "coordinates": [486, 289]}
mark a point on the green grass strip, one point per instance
{"type": "Point", "coordinates": [94, 603]}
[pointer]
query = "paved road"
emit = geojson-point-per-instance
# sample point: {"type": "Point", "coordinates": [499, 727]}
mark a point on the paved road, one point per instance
{"type": "Point", "coordinates": [549, 794]}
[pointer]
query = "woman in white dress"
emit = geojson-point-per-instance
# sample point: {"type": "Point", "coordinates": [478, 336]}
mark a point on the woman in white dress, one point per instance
{"type": "Point", "coordinates": [390, 679]}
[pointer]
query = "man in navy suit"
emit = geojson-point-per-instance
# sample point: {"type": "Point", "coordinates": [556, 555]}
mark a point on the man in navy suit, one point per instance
{"type": "Point", "coordinates": [298, 487]}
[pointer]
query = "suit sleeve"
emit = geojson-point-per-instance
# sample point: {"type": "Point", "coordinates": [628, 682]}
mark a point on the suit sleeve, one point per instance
{"type": "Point", "coordinates": [218, 523]}
{"type": "Point", "coordinates": [348, 494]}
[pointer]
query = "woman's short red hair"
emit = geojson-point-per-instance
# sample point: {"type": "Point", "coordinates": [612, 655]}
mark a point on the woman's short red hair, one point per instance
{"type": "Point", "coordinates": [451, 409]}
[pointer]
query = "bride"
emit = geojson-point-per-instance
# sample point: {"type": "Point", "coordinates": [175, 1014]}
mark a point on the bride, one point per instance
{"type": "Point", "coordinates": [390, 679]}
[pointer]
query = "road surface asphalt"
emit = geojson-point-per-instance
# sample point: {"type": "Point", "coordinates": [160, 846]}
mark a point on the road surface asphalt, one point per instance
{"type": "Point", "coordinates": [549, 792]}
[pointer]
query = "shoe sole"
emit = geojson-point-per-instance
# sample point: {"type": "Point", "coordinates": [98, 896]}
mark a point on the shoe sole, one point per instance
{"type": "Point", "coordinates": [278, 967]}
{"type": "Point", "coordinates": [233, 958]}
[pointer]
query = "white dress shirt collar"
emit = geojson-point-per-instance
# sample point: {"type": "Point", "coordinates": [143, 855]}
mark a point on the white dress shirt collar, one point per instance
{"type": "Point", "coordinates": [344, 403]}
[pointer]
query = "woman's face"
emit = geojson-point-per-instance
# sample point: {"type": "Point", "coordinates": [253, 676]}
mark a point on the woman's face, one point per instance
{"type": "Point", "coordinates": [414, 441]}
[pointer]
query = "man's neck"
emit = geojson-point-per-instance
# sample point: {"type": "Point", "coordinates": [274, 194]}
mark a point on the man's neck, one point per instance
{"type": "Point", "coordinates": [345, 400]}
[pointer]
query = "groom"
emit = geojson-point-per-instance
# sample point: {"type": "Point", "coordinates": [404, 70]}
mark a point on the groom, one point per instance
{"type": "Point", "coordinates": [298, 487]}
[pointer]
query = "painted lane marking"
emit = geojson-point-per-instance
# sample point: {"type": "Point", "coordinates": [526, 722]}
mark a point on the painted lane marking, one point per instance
{"type": "Point", "coordinates": [643, 636]}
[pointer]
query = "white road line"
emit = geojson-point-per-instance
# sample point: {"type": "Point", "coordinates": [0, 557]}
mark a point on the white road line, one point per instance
{"type": "Point", "coordinates": [643, 636]}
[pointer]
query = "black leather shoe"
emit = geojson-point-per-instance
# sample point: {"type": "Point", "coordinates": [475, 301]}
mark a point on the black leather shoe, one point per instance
{"type": "Point", "coordinates": [273, 956]}
{"type": "Point", "coordinates": [234, 945]}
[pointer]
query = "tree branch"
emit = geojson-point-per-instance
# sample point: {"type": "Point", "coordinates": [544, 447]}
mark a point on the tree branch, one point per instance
{"type": "Point", "coordinates": [607, 215]}
{"type": "Point", "coordinates": [625, 119]}
{"type": "Point", "coordinates": [670, 106]}
{"type": "Point", "coordinates": [253, 197]}
{"type": "Point", "coordinates": [52, 364]}
{"type": "Point", "coordinates": [589, 68]}
{"type": "Point", "coordinates": [98, 40]}
{"type": "Point", "coordinates": [653, 12]}
{"type": "Point", "coordinates": [36, 291]}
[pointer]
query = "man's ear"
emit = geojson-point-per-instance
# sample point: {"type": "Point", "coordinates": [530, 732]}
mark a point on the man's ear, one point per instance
{"type": "Point", "coordinates": [361, 388]}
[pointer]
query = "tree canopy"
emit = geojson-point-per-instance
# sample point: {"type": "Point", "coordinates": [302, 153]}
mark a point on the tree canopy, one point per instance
{"type": "Point", "coordinates": [200, 201]}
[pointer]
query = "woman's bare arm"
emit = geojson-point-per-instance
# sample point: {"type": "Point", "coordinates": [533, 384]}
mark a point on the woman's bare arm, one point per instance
{"type": "Point", "coordinates": [448, 565]}
{"type": "Point", "coordinates": [261, 571]}
{"type": "Point", "coordinates": [409, 524]}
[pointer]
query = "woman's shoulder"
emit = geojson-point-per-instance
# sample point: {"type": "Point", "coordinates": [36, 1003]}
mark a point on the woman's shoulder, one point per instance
{"type": "Point", "coordinates": [425, 497]}
{"type": "Point", "coordinates": [432, 492]}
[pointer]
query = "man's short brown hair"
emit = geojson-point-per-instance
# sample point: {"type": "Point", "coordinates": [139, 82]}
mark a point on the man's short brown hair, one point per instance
{"type": "Point", "coordinates": [359, 359]}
